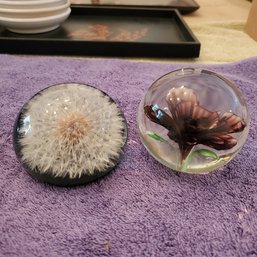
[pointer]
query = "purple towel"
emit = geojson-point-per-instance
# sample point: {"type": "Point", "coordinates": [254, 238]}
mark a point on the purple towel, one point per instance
{"type": "Point", "coordinates": [140, 209]}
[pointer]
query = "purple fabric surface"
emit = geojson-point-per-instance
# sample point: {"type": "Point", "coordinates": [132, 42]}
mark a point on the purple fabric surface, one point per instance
{"type": "Point", "coordinates": [142, 208]}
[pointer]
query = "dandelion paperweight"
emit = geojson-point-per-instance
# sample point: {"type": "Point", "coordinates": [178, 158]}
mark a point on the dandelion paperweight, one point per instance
{"type": "Point", "coordinates": [193, 120]}
{"type": "Point", "coordinates": [69, 134]}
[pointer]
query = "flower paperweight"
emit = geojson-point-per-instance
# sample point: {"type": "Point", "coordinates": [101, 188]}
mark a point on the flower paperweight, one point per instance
{"type": "Point", "coordinates": [193, 120]}
{"type": "Point", "coordinates": [69, 134]}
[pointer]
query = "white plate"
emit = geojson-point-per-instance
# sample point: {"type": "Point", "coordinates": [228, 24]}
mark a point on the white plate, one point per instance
{"type": "Point", "coordinates": [33, 13]}
{"type": "Point", "coordinates": [33, 4]}
{"type": "Point", "coordinates": [34, 25]}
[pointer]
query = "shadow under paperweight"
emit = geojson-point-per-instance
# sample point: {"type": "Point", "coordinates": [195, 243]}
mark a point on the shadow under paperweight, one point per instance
{"type": "Point", "coordinates": [69, 134]}
{"type": "Point", "coordinates": [193, 120]}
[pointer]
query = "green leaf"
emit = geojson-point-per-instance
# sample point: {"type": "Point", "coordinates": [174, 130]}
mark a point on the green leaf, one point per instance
{"type": "Point", "coordinates": [203, 152]}
{"type": "Point", "coordinates": [207, 153]}
{"type": "Point", "coordinates": [155, 136]}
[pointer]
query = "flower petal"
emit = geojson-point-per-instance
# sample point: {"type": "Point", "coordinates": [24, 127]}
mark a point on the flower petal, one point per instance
{"type": "Point", "coordinates": [218, 141]}
{"type": "Point", "coordinates": [230, 123]}
{"type": "Point", "coordinates": [218, 136]}
{"type": "Point", "coordinates": [194, 117]}
{"type": "Point", "coordinates": [178, 95]}
{"type": "Point", "coordinates": [159, 116]}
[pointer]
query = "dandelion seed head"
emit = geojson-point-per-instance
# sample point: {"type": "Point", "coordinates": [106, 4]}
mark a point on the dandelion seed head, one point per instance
{"type": "Point", "coordinates": [72, 127]}
{"type": "Point", "coordinates": [75, 130]}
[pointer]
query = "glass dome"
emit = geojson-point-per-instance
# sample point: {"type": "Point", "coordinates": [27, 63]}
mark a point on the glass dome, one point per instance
{"type": "Point", "coordinates": [69, 134]}
{"type": "Point", "coordinates": [193, 120]}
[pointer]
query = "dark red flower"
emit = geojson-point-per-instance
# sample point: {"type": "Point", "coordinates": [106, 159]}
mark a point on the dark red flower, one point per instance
{"type": "Point", "coordinates": [191, 124]}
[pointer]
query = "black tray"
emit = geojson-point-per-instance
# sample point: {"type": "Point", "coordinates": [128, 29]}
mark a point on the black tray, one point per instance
{"type": "Point", "coordinates": [103, 31]}
{"type": "Point", "coordinates": [184, 6]}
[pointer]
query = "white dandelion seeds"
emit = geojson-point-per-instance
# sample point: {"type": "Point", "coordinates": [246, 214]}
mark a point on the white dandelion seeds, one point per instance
{"type": "Point", "coordinates": [71, 130]}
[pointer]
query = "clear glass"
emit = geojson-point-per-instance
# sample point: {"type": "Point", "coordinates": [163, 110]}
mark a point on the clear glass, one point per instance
{"type": "Point", "coordinates": [193, 120]}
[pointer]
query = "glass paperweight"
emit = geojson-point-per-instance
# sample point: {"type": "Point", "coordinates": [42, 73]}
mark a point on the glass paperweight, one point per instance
{"type": "Point", "coordinates": [193, 120]}
{"type": "Point", "coordinates": [69, 134]}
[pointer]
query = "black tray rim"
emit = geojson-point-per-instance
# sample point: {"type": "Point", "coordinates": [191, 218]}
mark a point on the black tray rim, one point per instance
{"type": "Point", "coordinates": [181, 9]}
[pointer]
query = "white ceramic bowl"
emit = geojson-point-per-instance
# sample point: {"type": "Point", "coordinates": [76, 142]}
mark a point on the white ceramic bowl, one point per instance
{"type": "Point", "coordinates": [31, 4]}
{"type": "Point", "coordinates": [34, 25]}
{"type": "Point", "coordinates": [33, 13]}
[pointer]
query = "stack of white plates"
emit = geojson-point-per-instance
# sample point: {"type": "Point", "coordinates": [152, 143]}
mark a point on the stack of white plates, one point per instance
{"type": "Point", "coordinates": [33, 16]}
